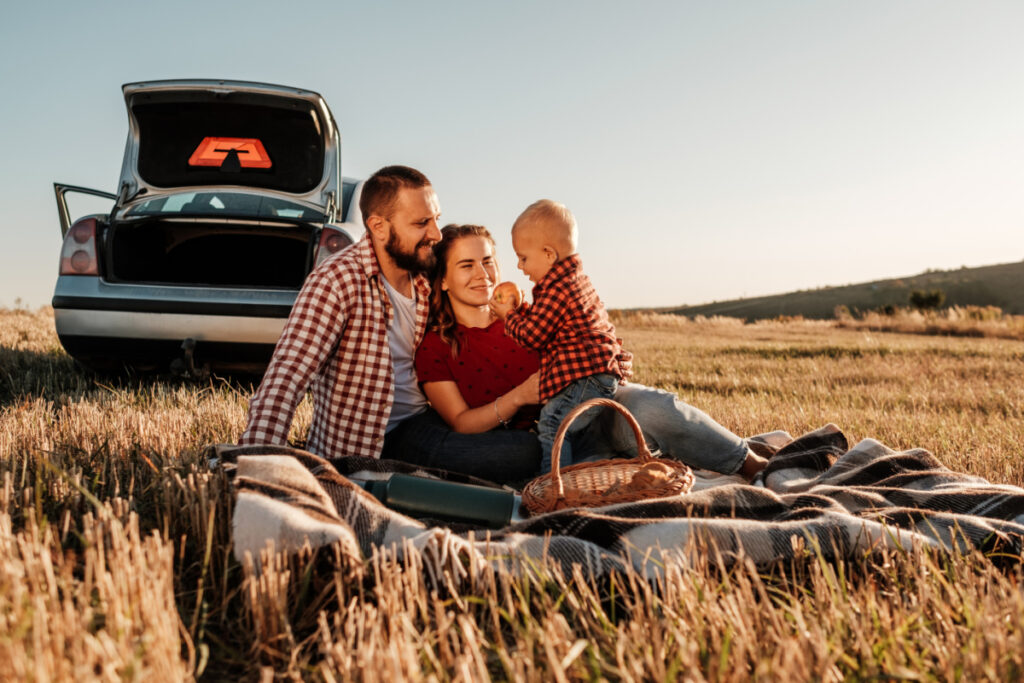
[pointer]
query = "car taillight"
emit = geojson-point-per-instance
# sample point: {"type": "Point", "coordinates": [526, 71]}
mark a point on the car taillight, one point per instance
{"type": "Point", "coordinates": [331, 242]}
{"type": "Point", "coordinates": [78, 255]}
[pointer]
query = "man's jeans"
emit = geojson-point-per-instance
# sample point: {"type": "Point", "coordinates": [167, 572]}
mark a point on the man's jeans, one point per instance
{"type": "Point", "coordinates": [500, 455]}
{"type": "Point", "coordinates": [677, 429]}
{"type": "Point", "coordinates": [561, 404]}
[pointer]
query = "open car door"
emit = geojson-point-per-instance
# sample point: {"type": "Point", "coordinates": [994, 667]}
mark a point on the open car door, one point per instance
{"type": "Point", "coordinates": [61, 190]}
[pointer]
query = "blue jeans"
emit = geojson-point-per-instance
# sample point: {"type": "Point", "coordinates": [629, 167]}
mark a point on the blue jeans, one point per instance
{"type": "Point", "coordinates": [677, 429]}
{"type": "Point", "coordinates": [561, 404]}
{"type": "Point", "coordinates": [500, 455]}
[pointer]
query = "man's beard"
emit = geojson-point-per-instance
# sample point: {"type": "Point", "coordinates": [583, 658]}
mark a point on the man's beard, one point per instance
{"type": "Point", "coordinates": [407, 260]}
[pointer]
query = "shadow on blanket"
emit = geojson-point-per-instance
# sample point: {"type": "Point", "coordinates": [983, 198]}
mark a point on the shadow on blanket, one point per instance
{"type": "Point", "coordinates": [816, 493]}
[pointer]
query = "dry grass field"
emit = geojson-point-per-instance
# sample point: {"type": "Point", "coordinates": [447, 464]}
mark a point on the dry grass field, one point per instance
{"type": "Point", "coordinates": [116, 563]}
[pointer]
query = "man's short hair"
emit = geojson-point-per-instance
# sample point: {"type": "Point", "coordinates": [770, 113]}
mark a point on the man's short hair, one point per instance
{"type": "Point", "coordinates": [381, 189]}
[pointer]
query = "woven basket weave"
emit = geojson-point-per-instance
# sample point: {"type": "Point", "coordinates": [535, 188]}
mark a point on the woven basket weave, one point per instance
{"type": "Point", "coordinates": [605, 482]}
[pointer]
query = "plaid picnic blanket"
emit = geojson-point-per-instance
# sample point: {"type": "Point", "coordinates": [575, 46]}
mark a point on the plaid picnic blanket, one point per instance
{"type": "Point", "coordinates": [816, 494]}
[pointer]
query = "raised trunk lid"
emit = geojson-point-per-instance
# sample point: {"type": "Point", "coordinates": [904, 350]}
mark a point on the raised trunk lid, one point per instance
{"type": "Point", "coordinates": [233, 134]}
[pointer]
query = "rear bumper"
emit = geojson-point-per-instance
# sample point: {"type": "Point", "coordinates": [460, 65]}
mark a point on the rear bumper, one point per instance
{"type": "Point", "coordinates": [86, 322]}
{"type": "Point", "coordinates": [105, 324]}
{"type": "Point", "coordinates": [85, 293]}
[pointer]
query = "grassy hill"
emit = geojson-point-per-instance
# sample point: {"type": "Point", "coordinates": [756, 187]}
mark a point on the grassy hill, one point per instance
{"type": "Point", "coordinates": [1000, 285]}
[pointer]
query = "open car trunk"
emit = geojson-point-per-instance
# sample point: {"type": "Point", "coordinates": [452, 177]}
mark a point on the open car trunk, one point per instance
{"type": "Point", "coordinates": [212, 253]}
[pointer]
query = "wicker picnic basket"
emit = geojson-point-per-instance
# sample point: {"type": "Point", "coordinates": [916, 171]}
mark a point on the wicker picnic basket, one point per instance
{"type": "Point", "coordinates": [605, 482]}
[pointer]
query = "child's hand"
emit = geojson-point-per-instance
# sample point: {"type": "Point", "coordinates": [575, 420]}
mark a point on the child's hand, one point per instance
{"type": "Point", "coordinates": [530, 389]}
{"type": "Point", "coordinates": [500, 309]}
{"type": "Point", "coordinates": [506, 297]}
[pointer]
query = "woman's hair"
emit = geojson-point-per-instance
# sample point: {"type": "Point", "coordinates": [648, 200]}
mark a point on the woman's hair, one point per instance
{"type": "Point", "coordinates": [442, 317]}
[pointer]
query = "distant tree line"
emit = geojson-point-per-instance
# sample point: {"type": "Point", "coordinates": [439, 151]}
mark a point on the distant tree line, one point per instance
{"type": "Point", "coordinates": [927, 299]}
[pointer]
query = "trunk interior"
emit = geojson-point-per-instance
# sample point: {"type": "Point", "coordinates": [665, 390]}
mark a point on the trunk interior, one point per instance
{"type": "Point", "coordinates": [209, 253]}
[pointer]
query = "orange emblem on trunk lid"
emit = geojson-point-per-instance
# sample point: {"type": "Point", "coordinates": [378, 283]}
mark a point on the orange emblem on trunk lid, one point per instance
{"type": "Point", "coordinates": [213, 151]}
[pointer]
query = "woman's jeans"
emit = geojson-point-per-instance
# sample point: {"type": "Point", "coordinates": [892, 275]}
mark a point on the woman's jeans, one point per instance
{"type": "Point", "coordinates": [500, 455]}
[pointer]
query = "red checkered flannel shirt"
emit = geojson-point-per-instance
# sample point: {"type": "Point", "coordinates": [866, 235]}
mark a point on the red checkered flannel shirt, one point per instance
{"type": "Point", "coordinates": [568, 325]}
{"type": "Point", "coordinates": [335, 340]}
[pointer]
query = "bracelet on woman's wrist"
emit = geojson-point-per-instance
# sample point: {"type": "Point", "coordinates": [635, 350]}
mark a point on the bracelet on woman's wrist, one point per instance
{"type": "Point", "coordinates": [502, 421]}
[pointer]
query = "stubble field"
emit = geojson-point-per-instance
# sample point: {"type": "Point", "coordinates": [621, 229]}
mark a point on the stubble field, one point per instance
{"type": "Point", "coordinates": [116, 564]}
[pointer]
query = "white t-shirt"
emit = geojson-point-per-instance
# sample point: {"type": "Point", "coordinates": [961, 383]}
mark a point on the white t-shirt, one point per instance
{"type": "Point", "coordinates": [409, 400]}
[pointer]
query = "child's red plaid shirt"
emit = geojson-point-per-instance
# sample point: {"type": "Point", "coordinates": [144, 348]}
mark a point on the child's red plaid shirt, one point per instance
{"type": "Point", "coordinates": [568, 325]}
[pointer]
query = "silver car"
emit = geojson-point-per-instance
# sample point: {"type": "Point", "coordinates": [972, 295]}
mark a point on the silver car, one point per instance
{"type": "Point", "coordinates": [230, 194]}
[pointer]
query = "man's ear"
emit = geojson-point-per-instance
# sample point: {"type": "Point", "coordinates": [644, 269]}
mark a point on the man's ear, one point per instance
{"type": "Point", "coordinates": [377, 225]}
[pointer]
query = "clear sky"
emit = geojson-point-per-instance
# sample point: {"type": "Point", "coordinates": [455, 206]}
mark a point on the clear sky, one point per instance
{"type": "Point", "coordinates": [710, 150]}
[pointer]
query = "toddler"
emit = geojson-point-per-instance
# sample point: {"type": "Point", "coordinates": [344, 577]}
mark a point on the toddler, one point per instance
{"type": "Point", "coordinates": [580, 356]}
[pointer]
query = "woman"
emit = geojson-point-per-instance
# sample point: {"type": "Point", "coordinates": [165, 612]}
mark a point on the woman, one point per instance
{"type": "Point", "coordinates": [477, 379]}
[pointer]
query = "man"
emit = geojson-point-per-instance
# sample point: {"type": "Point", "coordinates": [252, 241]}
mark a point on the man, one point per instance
{"type": "Point", "coordinates": [345, 327]}
{"type": "Point", "coordinates": [352, 336]}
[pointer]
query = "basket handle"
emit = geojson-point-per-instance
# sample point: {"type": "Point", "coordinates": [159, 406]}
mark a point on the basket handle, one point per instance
{"type": "Point", "coordinates": [556, 448]}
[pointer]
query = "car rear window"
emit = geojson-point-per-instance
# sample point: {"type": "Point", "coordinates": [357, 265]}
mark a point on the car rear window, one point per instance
{"type": "Point", "coordinates": [232, 204]}
{"type": "Point", "coordinates": [179, 138]}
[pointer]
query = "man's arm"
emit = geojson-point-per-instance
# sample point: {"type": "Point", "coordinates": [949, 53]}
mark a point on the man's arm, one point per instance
{"type": "Point", "coordinates": [314, 326]}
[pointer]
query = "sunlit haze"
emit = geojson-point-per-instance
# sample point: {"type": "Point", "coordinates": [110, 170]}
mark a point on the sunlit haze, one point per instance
{"type": "Point", "coordinates": [709, 150]}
